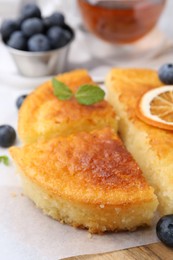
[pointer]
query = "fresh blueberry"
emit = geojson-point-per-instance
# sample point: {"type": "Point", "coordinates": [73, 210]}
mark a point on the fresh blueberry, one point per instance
{"type": "Point", "coordinates": [56, 19]}
{"type": "Point", "coordinates": [20, 100]}
{"type": "Point", "coordinates": [68, 35]}
{"type": "Point", "coordinates": [166, 74]}
{"type": "Point", "coordinates": [57, 37]}
{"type": "Point", "coordinates": [32, 26]}
{"type": "Point", "coordinates": [17, 41]}
{"type": "Point", "coordinates": [7, 28]}
{"type": "Point", "coordinates": [19, 22]}
{"type": "Point", "coordinates": [39, 42]}
{"type": "Point", "coordinates": [7, 136]}
{"type": "Point", "coordinates": [29, 11]}
{"type": "Point", "coordinates": [164, 230]}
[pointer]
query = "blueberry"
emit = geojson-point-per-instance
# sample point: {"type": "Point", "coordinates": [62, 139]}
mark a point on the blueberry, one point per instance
{"type": "Point", "coordinates": [164, 230]}
{"type": "Point", "coordinates": [39, 42]}
{"type": "Point", "coordinates": [7, 136]}
{"type": "Point", "coordinates": [7, 28]}
{"type": "Point", "coordinates": [68, 35]}
{"type": "Point", "coordinates": [57, 37]}
{"type": "Point", "coordinates": [20, 100]}
{"type": "Point", "coordinates": [166, 74]}
{"type": "Point", "coordinates": [56, 19]}
{"type": "Point", "coordinates": [19, 22]}
{"type": "Point", "coordinates": [17, 41]}
{"type": "Point", "coordinates": [29, 11]}
{"type": "Point", "coordinates": [32, 26]}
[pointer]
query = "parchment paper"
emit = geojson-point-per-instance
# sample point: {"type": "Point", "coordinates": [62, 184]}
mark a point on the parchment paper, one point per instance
{"type": "Point", "coordinates": [25, 233]}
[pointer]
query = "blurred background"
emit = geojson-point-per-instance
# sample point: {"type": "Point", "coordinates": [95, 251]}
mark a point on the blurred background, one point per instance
{"type": "Point", "coordinates": [10, 8]}
{"type": "Point", "coordinates": [95, 54]}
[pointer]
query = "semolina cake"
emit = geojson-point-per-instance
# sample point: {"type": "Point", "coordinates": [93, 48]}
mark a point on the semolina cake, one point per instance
{"type": "Point", "coordinates": [87, 180]}
{"type": "Point", "coordinates": [151, 147]}
{"type": "Point", "coordinates": [43, 115]}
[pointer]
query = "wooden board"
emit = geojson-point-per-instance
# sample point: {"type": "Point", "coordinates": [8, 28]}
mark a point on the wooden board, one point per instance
{"type": "Point", "coordinates": [150, 252]}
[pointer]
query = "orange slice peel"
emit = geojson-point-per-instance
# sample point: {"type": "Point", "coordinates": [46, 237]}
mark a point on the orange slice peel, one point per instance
{"type": "Point", "coordinates": [155, 107]}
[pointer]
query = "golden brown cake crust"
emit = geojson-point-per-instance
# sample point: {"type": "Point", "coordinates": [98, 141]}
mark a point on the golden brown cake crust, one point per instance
{"type": "Point", "coordinates": [43, 115]}
{"type": "Point", "coordinates": [90, 167]}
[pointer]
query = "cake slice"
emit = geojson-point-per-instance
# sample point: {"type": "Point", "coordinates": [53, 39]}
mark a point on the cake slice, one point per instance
{"type": "Point", "coordinates": [43, 115]}
{"type": "Point", "coordinates": [86, 180]}
{"type": "Point", "coordinates": [151, 147]}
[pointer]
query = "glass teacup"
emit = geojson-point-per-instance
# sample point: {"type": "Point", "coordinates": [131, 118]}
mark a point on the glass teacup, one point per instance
{"type": "Point", "coordinates": [120, 21]}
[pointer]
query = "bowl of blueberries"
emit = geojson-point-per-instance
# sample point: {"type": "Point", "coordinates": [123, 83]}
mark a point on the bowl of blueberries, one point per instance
{"type": "Point", "coordinates": [38, 45]}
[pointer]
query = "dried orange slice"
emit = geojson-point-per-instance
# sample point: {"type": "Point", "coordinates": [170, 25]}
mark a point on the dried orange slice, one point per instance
{"type": "Point", "coordinates": [156, 107]}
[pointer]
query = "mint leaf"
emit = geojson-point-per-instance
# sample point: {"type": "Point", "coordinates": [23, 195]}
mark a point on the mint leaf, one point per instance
{"type": "Point", "coordinates": [89, 94]}
{"type": "Point", "coordinates": [4, 159]}
{"type": "Point", "coordinates": [62, 91]}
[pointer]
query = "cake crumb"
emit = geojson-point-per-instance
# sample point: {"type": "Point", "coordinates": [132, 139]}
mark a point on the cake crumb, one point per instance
{"type": "Point", "coordinates": [90, 235]}
{"type": "Point", "coordinates": [13, 194]}
{"type": "Point", "coordinates": [102, 206]}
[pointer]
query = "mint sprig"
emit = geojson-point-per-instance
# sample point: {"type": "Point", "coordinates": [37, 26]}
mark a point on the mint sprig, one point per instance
{"type": "Point", "coordinates": [87, 94]}
{"type": "Point", "coordinates": [4, 159]}
{"type": "Point", "coordinates": [62, 91]}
